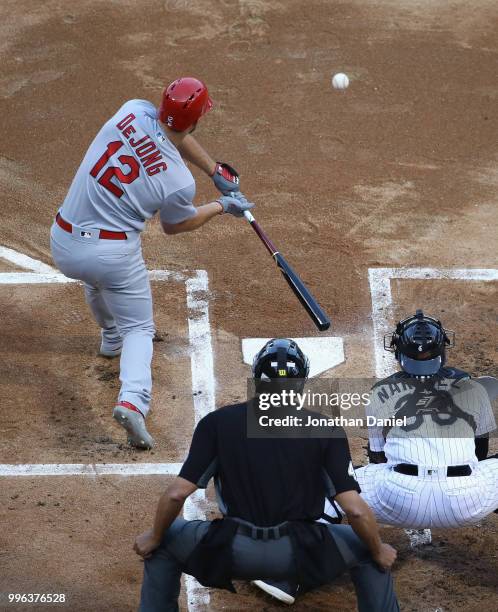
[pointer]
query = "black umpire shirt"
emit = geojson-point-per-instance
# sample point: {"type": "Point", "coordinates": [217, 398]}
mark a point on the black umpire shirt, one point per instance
{"type": "Point", "coordinates": [267, 481]}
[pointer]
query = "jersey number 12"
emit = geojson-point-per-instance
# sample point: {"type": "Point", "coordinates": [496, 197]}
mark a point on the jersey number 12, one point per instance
{"type": "Point", "coordinates": [106, 178]}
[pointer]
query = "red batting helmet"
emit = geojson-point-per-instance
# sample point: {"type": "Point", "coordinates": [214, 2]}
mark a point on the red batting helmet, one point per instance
{"type": "Point", "coordinates": [183, 103]}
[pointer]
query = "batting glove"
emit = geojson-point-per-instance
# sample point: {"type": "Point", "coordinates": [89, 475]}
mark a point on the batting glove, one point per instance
{"type": "Point", "coordinates": [235, 204]}
{"type": "Point", "coordinates": [226, 178]}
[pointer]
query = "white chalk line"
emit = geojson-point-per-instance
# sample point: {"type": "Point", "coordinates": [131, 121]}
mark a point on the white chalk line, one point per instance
{"type": "Point", "coordinates": [40, 273]}
{"type": "Point", "coordinates": [201, 352]}
{"type": "Point", "coordinates": [89, 469]}
{"type": "Point", "coordinates": [37, 278]}
{"type": "Point", "coordinates": [24, 261]}
{"type": "Point", "coordinates": [203, 386]}
{"type": "Point", "coordinates": [197, 596]}
{"type": "Point", "coordinates": [32, 278]}
{"type": "Point", "coordinates": [380, 291]}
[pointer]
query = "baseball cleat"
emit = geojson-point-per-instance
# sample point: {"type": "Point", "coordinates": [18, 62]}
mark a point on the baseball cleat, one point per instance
{"type": "Point", "coordinates": [283, 591]}
{"type": "Point", "coordinates": [419, 537]}
{"type": "Point", "coordinates": [129, 417]}
{"type": "Point", "coordinates": [109, 353]}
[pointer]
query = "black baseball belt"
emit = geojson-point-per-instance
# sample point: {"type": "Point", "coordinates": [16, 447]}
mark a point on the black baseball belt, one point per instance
{"type": "Point", "coordinates": [260, 533]}
{"type": "Point", "coordinates": [452, 470]}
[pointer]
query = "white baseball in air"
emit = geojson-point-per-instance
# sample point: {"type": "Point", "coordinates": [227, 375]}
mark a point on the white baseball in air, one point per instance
{"type": "Point", "coordinates": [340, 81]}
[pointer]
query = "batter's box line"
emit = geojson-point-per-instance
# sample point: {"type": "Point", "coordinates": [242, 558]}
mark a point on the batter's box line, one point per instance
{"type": "Point", "coordinates": [380, 291]}
{"type": "Point", "coordinates": [201, 356]}
{"type": "Point", "coordinates": [203, 386]}
{"type": "Point", "coordinates": [89, 469]}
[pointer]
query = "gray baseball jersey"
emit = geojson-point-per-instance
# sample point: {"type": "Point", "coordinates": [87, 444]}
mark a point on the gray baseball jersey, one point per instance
{"type": "Point", "coordinates": [130, 171]}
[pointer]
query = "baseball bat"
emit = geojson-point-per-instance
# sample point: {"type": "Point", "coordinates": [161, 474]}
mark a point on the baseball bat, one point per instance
{"type": "Point", "coordinates": [311, 306]}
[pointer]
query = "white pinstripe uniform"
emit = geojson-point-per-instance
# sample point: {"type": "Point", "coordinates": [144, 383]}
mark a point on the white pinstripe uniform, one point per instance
{"type": "Point", "coordinates": [437, 435]}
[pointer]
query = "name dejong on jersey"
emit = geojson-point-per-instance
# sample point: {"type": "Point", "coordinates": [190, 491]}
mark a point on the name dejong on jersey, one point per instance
{"type": "Point", "coordinates": [147, 152]}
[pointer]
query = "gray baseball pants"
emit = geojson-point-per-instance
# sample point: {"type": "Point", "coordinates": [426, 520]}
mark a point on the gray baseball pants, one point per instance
{"type": "Point", "coordinates": [270, 560]}
{"type": "Point", "coordinates": [117, 289]}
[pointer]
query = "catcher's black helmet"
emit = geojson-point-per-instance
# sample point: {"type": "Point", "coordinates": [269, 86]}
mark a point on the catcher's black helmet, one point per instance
{"type": "Point", "coordinates": [419, 344]}
{"type": "Point", "coordinates": [280, 358]}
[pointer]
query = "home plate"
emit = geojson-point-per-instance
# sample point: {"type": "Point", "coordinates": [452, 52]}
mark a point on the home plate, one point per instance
{"type": "Point", "coordinates": [323, 353]}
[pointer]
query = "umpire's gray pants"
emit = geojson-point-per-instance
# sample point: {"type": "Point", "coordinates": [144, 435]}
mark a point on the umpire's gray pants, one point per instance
{"type": "Point", "coordinates": [270, 560]}
{"type": "Point", "coordinates": [117, 290]}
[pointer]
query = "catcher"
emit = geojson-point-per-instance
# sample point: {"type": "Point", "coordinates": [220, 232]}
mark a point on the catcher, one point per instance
{"type": "Point", "coordinates": [433, 471]}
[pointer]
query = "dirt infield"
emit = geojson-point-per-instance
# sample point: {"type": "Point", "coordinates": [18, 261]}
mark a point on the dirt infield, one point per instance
{"type": "Point", "coordinates": [398, 171]}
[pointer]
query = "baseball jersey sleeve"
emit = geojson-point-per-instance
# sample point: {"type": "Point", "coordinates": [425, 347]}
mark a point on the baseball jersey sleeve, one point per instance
{"type": "Point", "coordinates": [178, 206]}
{"type": "Point", "coordinates": [202, 459]}
{"type": "Point", "coordinates": [338, 466]}
{"type": "Point", "coordinates": [486, 420]}
{"type": "Point", "coordinates": [376, 438]}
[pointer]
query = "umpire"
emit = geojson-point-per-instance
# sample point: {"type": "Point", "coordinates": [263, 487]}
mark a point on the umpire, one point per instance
{"type": "Point", "coordinates": [270, 492]}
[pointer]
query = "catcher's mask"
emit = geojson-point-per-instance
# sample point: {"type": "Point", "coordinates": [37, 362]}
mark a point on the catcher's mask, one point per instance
{"type": "Point", "coordinates": [280, 359]}
{"type": "Point", "coordinates": [419, 343]}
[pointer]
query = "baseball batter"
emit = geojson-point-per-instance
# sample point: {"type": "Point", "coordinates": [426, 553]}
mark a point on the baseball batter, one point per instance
{"type": "Point", "coordinates": [134, 168]}
{"type": "Point", "coordinates": [431, 469]}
